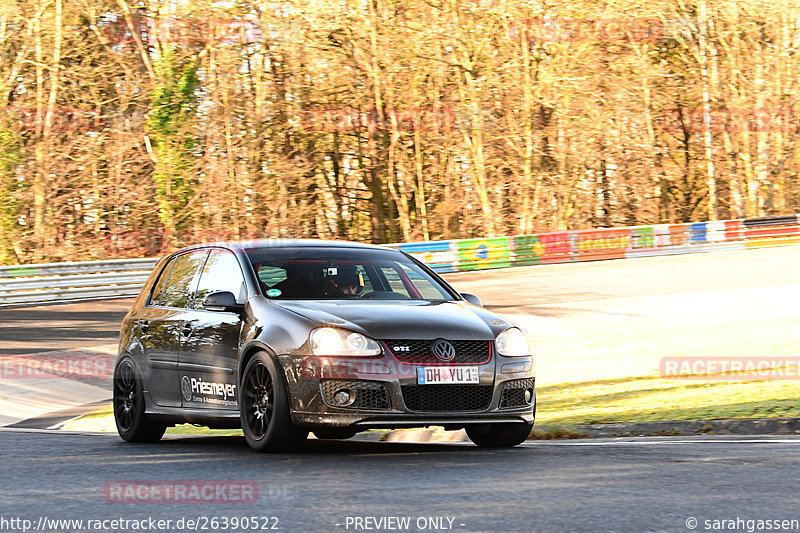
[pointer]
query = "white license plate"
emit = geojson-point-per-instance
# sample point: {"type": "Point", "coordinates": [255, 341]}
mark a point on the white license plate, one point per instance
{"type": "Point", "coordinates": [429, 375]}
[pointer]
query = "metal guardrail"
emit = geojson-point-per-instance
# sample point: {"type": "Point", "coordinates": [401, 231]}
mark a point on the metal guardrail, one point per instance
{"type": "Point", "coordinates": [59, 282]}
{"type": "Point", "coordinates": [85, 267]}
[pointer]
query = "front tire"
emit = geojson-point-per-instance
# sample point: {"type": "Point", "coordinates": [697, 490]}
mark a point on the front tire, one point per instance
{"type": "Point", "coordinates": [499, 435]}
{"type": "Point", "coordinates": [129, 409]}
{"type": "Point", "coordinates": [264, 407]}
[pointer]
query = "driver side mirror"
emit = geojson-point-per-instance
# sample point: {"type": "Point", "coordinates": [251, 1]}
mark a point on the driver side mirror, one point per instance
{"type": "Point", "coordinates": [222, 301]}
{"type": "Point", "coordinates": [471, 298]}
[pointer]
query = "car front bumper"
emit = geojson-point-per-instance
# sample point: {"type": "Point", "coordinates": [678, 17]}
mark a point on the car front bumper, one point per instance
{"type": "Point", "coordinates": [312, 406]}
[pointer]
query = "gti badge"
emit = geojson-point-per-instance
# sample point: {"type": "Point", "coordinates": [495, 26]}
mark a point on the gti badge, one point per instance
{"type": "Point", "coordinates": [443, 350]}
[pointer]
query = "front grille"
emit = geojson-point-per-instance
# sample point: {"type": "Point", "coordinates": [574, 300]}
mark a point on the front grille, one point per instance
{"type": "Point", "coordinates": [447, 397]}
{"type": "Point", "coordinates": [513, 395]}
{"type": "Point", "coordinates": [368, 394]}
{"type": "Point", "coordinates": [419, 352]}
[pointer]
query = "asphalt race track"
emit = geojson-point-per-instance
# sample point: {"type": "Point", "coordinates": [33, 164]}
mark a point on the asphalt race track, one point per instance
{"type": "Point", "coordinates": [653, 484]}
{"type": "Point", "coordinates": [579, 313]}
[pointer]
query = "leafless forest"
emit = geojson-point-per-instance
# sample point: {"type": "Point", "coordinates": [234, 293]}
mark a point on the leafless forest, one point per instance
{"type": "Point", "coordinates": [129, 127]}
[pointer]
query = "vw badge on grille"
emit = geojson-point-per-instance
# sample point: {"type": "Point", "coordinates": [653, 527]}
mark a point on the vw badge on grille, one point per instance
{"type": "Point", "coordinates": [443, 350]}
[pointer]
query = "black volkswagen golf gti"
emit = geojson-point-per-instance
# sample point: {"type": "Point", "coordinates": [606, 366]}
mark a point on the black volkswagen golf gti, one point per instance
{"type": "Point", "coordinates": [283, 338]}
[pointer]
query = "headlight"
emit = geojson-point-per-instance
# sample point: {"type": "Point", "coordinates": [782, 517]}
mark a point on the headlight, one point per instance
{"type": "Point", "coordinates": [333, 341]}
{"type": "Point", "coordinates": [512, 343]}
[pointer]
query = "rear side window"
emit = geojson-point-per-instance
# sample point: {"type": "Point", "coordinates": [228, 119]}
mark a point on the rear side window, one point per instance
{"type": "Point", "coordinates": [178, 288]}
{"type": "Point", "coordinates": [158, 288]}
{"type": "Point", "coordinates": [221, 273]}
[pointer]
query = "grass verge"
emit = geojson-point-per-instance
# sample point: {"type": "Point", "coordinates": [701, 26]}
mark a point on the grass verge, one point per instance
{"type": "Point", "coordinates": [640, 399]}
{"type": "Point", "coordinates": [652, 399]}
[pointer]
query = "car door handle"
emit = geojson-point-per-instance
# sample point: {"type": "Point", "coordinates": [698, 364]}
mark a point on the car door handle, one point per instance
{"type": "Point", "coordinates": [187, 329]}
{"type": "Point", "coordinates": [144, 325]}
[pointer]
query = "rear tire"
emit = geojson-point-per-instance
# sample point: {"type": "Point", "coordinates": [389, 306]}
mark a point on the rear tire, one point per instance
{"type": "Point", "coordinates": [129, 408]}
{"type": "Point", "coordinates": [499, 435]}
{"type": "Point", "coordinates": [264, 407]}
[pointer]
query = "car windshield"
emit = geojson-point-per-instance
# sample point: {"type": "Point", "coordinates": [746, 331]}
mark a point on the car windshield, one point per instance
{"type": "Point", "coordinates": [320, 273]}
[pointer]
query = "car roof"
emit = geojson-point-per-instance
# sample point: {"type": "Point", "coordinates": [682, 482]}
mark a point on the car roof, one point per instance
{"type": "Point", "coordinates": [286, 243]}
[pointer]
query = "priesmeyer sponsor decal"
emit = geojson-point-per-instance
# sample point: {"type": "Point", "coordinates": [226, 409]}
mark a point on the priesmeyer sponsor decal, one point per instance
{"type": "Point", "coordinates": [197, 390]}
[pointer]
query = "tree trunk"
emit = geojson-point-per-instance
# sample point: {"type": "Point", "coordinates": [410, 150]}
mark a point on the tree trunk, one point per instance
{"type": "Point", "coordinates": [40, 172]}
{"type": "Point", "coordinates": [707, 136]}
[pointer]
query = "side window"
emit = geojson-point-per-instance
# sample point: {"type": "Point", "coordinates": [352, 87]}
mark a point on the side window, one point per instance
{"type": "Point", "coordinates": [221, 273]}
{"type": "Point", "coordinates": [178, 288]}
{"type": "Point", "coordinates": [158, 288]}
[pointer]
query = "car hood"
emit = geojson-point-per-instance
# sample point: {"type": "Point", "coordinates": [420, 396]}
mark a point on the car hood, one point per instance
{"type": "Point", "coordinates": [403, 319]}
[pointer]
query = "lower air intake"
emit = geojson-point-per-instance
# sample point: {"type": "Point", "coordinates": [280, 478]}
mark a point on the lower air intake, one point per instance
{"type": "Point", "coordinates": [444, 398]}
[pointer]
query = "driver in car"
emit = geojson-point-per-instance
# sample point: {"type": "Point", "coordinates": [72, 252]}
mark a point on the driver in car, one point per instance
{"type": "Point", "coordinates": [347, 282]}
